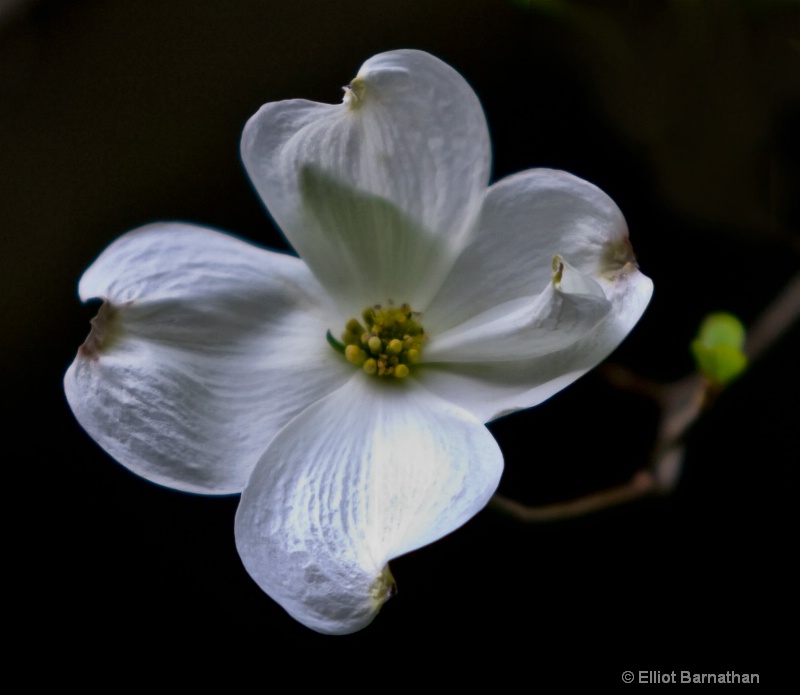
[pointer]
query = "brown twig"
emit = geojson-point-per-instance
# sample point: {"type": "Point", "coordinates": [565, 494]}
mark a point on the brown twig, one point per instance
{"type": "Point", "coordinates": [774, 320]}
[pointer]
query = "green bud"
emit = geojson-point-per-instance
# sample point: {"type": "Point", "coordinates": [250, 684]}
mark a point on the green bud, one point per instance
{"type": "Point", "coordinates": [717, 349]}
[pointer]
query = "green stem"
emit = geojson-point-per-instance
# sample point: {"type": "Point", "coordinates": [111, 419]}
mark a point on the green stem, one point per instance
{"type": "Point", "coordinates": [335, 344]}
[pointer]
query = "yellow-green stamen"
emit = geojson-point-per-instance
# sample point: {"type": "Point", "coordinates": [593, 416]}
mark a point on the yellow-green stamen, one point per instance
{"type": "Point", "coordinates": [387, 343]}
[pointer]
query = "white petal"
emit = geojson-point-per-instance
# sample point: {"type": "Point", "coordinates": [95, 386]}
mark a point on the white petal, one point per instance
{"type": "Point", "coordinates": [525, 221]}
{"type": "Point", "coordinates": [410, 136]}
{"type": "Point", "coordinates": [204, 348]}
{"type": "Point", "coordinates": [569, 307]}
{"type": "Point", "coordinates": [369, 473]}
{"type": "Point", "coordinates": [491, 389]}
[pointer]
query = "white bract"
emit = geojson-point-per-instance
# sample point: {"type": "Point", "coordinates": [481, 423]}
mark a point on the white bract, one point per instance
{"type": "Point", "coordinates": [208, 368]}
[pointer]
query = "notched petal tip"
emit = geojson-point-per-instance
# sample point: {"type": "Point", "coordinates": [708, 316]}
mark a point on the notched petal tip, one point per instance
{"type": "Point", "coordinates": [558, 270]}
{"type": "Point", "coordinates": [104, 333]}
{"type": "Point", "coordinates": [383, 588]}
{"type": "Point", "coordinates": [568, 281]}
{"type": "Point", "coordinates": [617, 257]}
{"type": "Point", "coordinates": [354, 93]}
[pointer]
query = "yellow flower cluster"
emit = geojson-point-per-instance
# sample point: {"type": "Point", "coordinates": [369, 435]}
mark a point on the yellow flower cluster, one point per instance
{"type": "Point", "coordinates": [388, 343]}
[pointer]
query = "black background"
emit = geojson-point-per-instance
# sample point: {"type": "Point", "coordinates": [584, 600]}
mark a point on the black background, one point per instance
{"type": "Point", "coordinates": [116, 114]}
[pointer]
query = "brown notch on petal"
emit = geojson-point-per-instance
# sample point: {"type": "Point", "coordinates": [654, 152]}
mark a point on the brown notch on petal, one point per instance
{"type": "Point", "coordinates": [383, 588]}
{"type": "Point", "coordinates": [104, 328]}
{"type": "Point", "coordinates": [617, 256]}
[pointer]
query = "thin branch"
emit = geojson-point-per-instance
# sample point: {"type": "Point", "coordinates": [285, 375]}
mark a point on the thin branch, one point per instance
{"type": "Point", "coordinates": [774, 321]}
{"type": "Point", "coordinates": [641, 485]}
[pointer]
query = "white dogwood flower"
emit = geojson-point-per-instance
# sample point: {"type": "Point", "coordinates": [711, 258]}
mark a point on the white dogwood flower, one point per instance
{"type": "Point", "coordinates": [344, 394]}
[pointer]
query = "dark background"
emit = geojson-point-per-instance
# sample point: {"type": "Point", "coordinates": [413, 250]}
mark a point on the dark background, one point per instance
{"type": "Point", "coordinates": [117, 113]}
